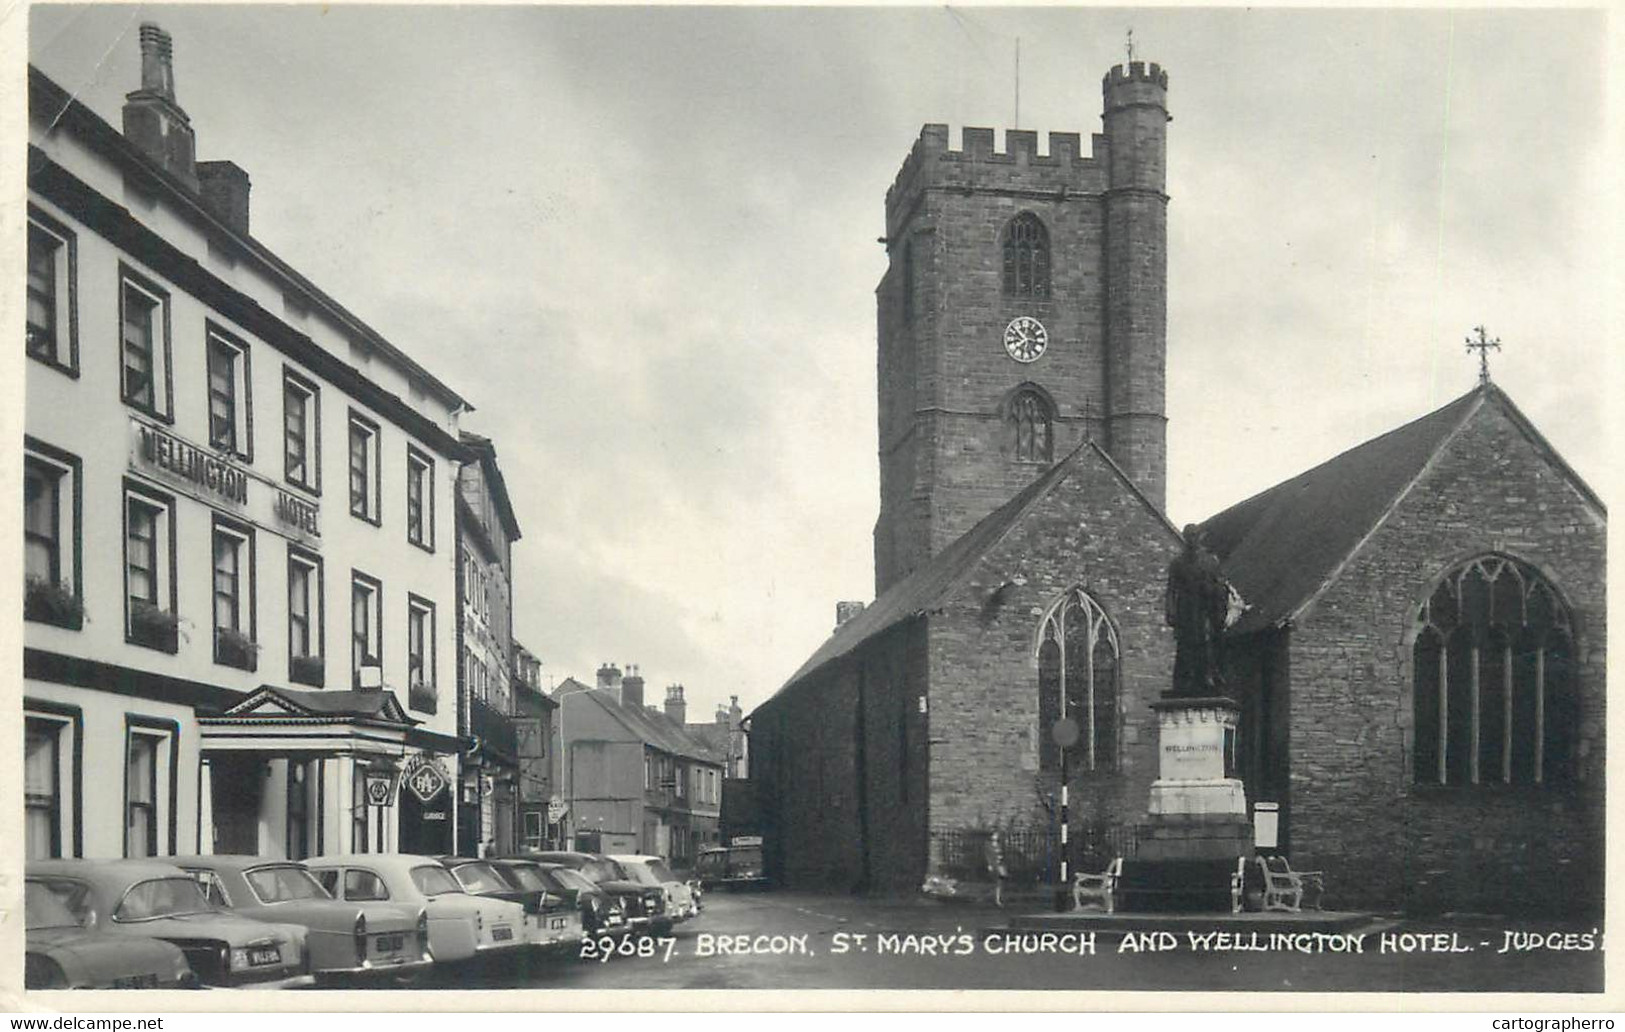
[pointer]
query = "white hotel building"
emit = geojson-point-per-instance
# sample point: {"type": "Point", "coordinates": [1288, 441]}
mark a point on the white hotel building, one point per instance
{"type": "Point", "coordinates": [239, 540]}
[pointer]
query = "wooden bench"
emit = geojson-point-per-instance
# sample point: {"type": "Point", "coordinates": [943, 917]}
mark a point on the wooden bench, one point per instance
{"type": "Point", "coordinates": [1284, 888]}
{"type": "Point", "coordinates": [1099, 890]}
{"type": "Point", "coordinates": [1182, 886]}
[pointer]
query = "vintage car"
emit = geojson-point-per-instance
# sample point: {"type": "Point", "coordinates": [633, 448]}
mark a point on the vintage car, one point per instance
{"type": "Point", "coordinates": [60, 953]}
{"type": "Point", "coordinates": [346, 940]}
{"type": "Point", "coordinates": [601, 913]}
{"type": "Point", "coordinates": [460, 925]}
{"type": "Point", "coordinates": [731, 867]}
{"type": "Point", "coordinates": [550, 921]}
{"type": "Point", "coordinates": [644, 905]}
{"type": "Point", "coordinates": [149, 899]}
{"type": "Point", "coordinates": [652, 870]}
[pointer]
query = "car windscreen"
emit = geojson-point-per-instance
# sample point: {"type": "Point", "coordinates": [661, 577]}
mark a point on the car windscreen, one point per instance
{"type": "Point", "coordinates": [480, 879]}
{"type": "Point", "coordinates": [162, 897]}
{"type": "Point", "coordinates": [434, 880]}
{"type": "Point", "coordinates": [284, 884]}
{"type": "Point", "coordinates": [526, 877]}
{"type": "Point", "coordinates": [659, 869]}
{"type": "Point", "coordinates": [43, 908]}
{"type": "Point", "coordinates": [640, 874]}
{"type": "Point", "coordinates": [569, 879]}
{"type": "Point", "coordinates": [600, 871]}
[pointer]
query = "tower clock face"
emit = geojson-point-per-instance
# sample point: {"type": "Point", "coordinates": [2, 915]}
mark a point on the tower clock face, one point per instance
{"type": "Point", "coordinates": [1025, 338]}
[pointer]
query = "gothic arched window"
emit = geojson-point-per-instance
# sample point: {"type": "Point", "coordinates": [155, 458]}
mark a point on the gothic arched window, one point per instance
{"type": "Point", "coordinates": [1496, 699]}
{"type": "Point", "coordinates": [1026, 257]}
{"type": "Point", "coordinates": [1029, 417]}
{"type": "Point", "coordinates": [1077, 678]}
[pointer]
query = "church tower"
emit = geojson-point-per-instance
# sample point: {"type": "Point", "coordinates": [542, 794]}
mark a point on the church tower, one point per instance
{"type": "Point", "coordinates": [1024, 310]}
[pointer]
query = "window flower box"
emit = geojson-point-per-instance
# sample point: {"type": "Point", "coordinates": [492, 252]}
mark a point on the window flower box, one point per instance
{"type": "Point", "coordinates": [235, 649]}
{"type": "Point", "coordinates": [49, 602]}
{"type": "Point", "coordinates": [154, 627]}
{"type": "Point", "coordinates": [422, 697]}
{"type": "Point", "coordinates": [307, 670]}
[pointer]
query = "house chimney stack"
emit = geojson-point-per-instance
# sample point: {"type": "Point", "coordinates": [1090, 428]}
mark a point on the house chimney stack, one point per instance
{"type": "Point", "coordinates": [845, 611]}
{"type": "Point", "coordinates": [225, 192]}
{"type": "Point", "coordinates": [609, 678]}
{"type": "Point", "coordinates": [632, 687]}
{"type": "Point", "coordinates": [676, 707]}
{"type": "Point", "coordinates": [153, 121]}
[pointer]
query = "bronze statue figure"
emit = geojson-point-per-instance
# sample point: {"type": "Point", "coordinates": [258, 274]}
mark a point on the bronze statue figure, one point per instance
{"type": "Point", "coordinates": [1197, 607]}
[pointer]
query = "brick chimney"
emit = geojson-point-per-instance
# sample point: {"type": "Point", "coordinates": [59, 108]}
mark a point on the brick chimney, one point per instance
{"type": "Point", "coordinates": [722, 715]}
{"type": "Point", "coordinates": [676, 708]}
{"type": "Point", "coordinates": [845, 611]}
{"type": "Point", "coordinates": [153, 121]}
{"type": "Point", "coordinates": [632, 687]}
{"type": "Point", "coordinates": [736, 715]}
{"type": "Point", "coordinates": [609, 677]}
{"type": "Point", "coordinates": [225, 192]}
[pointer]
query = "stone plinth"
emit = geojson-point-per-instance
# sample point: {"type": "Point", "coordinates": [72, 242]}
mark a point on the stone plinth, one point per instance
{"type": "Point", "coordinates": [1197, 810]}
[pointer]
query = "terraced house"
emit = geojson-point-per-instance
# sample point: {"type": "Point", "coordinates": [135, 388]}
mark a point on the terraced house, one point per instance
{"type": "Point", "coordinates": [238, 502]}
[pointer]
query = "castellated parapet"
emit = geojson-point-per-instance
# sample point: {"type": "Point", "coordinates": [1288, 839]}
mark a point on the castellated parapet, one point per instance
{"type": "Point", "coordinates": [1063, 170]}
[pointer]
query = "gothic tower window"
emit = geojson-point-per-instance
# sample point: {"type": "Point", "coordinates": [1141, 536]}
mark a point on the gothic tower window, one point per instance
{"type": "Point", "coordinates": [1495, 692]}
{"type": "Point", "coordinates": [1028, 416]}
{"type": "Point", "coordinates": [1077, 678]}
{"type": "Point", "coordinates": [1026, 257]}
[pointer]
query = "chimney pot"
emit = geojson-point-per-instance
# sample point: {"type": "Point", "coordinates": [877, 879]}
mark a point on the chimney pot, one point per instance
{"type": "Point", "coordinates": [153, 121]}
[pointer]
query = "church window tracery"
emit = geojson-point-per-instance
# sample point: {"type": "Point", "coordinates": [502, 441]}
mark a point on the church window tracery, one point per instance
{"type": "Point", "coordinates": [1026, 257]}
{"type": "Point", "coordinates": [1077, 678]}
{"type": "Point", "coordinates": [1029, 419]}
{"type": "Point", "coordinates": [1495, 695]}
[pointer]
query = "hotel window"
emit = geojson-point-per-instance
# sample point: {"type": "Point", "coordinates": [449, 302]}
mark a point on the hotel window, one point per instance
{"type": "Point", "coordinates": [42, 789]}
{"type": "Point", "coordinates": [420, 654]}
{"type": "Point", "coordinates": [301, 432]}
{"type": "Point", "coordinates": [230, 407]}
{"type": "Point", "coordinates": [144, 317]}
{"type": "Point", "coordinates": [305, 623]}
{"type": "Point", "coordinates": [679, 779]}
{"type": "Point", "coordinates": [149, 571]}
{"type": "Point", "coordinates": [366, 628]}
{"type": "Point", "coordinates": [233, 593]}
{"type": "Point", "coordinates": [419, 499]}
{"type": "Point", "coordinates": [52, 584]}
{"type": "Point", "coordinates": [141, 795]}
{"type": "Point", "coordinates": [52, 335]}
{"type": "Point", "coordinates": [364, 482]}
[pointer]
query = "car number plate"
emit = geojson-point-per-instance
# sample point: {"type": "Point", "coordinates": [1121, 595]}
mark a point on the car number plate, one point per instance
{"type": "Point", "coordinates": [262, 955]}
{"type": "Point", "coordinates": [390, 943]}
{"type": "Point", "coordinates": [136, 982]}
{"type": "Point", "coordinates": [502, 934]}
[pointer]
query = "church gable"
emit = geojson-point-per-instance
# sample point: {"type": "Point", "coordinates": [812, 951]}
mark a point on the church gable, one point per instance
{"type": "Point", "coordinates": [1089, 558]}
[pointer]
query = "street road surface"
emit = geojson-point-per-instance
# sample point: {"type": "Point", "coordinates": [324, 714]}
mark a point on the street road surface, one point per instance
{"type": "Point", "coordinates": [778, 940]}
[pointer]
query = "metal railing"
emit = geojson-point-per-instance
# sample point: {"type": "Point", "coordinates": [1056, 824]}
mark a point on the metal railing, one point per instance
{"type": "Point", "coordinates": [1032, 856]}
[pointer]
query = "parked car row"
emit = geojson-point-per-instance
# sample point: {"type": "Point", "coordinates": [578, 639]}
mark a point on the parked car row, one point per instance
{"type": "Point", "coordinates": [255, 922]}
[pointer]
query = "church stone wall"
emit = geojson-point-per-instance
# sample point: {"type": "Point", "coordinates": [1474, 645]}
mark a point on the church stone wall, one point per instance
{"type": "Point", "coordinates": [1357, 813]}
{"type": "Point", "coordinates": [856, 718]}
{"type": "Point", "coordinates": [1091, 532]}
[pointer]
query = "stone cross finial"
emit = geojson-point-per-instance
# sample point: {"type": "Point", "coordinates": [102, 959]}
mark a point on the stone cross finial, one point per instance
{"type": "Point", "coordinates": [1483, 345]}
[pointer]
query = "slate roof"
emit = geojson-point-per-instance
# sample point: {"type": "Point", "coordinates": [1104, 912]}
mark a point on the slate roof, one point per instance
{"type": "Point", "coordinates": [929, 585]}
{"type": "Point", "coordinates": [653, 728]}
{"type": "Point", "coordinates": [1279, 548]}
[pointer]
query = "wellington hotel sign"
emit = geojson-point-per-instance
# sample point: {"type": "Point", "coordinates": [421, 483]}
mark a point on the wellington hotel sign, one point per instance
{"type": "Point", "coordinates": [210, 478]}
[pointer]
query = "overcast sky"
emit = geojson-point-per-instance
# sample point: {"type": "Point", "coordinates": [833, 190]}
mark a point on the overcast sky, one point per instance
{"type": "Point", "coordinates": [642, 242]}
